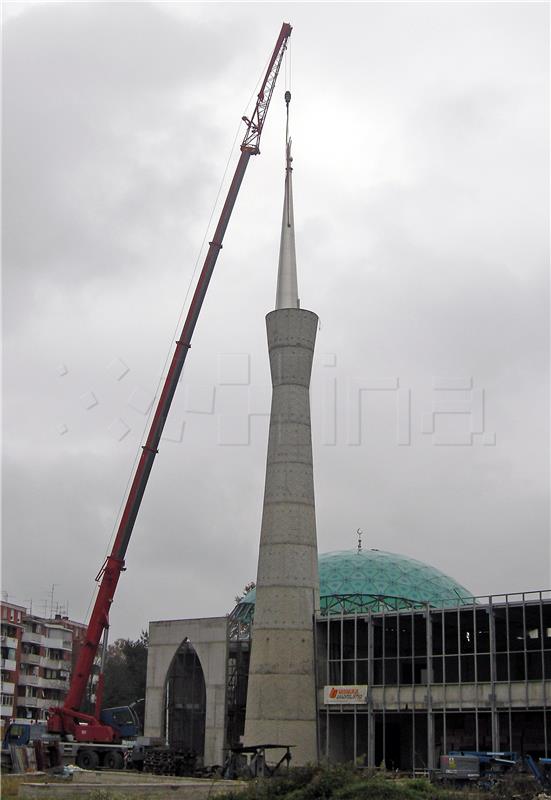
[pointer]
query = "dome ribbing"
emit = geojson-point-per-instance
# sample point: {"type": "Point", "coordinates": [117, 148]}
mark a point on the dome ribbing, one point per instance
{"type": "Point", "coordinates": [375, 580]}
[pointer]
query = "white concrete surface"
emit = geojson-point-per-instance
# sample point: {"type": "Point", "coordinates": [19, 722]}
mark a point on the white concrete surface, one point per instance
{"type": "Point", "coordinates": [281, 698]}
{"type": "Point", "coordinates": [209, 639]}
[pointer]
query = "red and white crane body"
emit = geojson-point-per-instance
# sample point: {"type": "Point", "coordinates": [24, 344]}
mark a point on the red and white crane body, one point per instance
{"type": "Point", "coordinates": [68, 719]}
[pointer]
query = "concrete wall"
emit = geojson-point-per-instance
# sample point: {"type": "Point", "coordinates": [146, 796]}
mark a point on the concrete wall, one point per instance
{"type": "Point", "coordinates": [281, 699]}
{"type": "Point", "coordinates": [208, 637]}
{"type": "Point", "coordinates": [458, 696]}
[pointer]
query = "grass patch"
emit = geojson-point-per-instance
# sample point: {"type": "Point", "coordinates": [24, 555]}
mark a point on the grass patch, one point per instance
{"type": "Point", "coordinates": [10, 784]}
{"type": "Point", "coordinates": [346, 783]}
{"type": "Point", "coordinates": [339, 782]}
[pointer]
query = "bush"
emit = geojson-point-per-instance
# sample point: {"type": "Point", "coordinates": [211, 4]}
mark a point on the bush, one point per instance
{"type": "Point", "coordinates": [343, 782]}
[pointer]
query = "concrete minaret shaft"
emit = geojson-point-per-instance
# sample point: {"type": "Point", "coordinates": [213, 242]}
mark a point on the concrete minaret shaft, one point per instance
{"type": "Point", "coordinates": [281, 699]}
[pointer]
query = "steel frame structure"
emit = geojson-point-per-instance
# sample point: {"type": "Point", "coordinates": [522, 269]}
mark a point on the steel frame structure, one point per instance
{"type": "Point", "coordinates": [484, 666]}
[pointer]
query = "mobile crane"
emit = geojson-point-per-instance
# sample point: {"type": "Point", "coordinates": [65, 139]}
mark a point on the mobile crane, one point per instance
{"type": "Point", "coordinates": [97, 738]}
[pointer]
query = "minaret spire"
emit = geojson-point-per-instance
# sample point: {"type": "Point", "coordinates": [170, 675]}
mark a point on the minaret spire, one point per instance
{"type": "Point", "coordinates": [287, 287]}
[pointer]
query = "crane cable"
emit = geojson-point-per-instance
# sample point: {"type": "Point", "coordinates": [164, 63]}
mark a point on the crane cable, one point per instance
{"type": "Point", "coordinates": [288, 158]}
{"type": "Point", "coordinates": [288, 65]}
{"type": "Point", "coordinates": [176, 333]}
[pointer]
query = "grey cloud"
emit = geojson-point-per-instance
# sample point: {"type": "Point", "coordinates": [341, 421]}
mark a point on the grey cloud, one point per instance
{"type": "Point", "coordinates": [99, 159]}
{"type": "Point", "coordinates": [421, 154]}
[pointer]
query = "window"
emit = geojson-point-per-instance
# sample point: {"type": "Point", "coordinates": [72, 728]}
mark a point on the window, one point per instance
{"type": "Point", "coordinates": [451, 666]}
{"type": "Point", "coordinates": [502, 670]}
{"type": "Point", "coordinates": [482, 631]}
{"type": "Point", "coordinates": [534, 666]}
{"type": "Point", "coordinates": [483, 674]}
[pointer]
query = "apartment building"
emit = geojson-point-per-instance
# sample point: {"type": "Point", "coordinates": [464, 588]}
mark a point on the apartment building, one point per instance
{"type": "Point", "coordinates": [11, 631]}
{"type": "Point", "coordinates": [38, 657]}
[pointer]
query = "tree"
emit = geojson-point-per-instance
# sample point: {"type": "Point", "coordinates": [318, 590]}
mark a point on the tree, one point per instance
{"type": "Point", "coordinates": [125, 673]}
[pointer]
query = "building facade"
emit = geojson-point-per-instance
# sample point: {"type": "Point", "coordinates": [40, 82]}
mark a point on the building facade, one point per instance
{"type": "Point", "coordinates": [473, 677]}
{"type": "Point", "coordinates": [408, 667]}
{"type": "Point", "coordinates": [11, 630]}
{"type": "Point", "coordinates": [38, 656]}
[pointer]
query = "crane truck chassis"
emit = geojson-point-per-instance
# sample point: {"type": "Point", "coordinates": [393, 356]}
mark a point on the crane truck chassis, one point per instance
{"type": "Point", "coordinates": [133, 751]}
{"type": "Point", "coordinates": [51, 751]}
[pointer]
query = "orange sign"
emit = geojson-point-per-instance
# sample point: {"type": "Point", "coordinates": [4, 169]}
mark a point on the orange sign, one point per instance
{"type": "Point", "coordinates": [337, 695]}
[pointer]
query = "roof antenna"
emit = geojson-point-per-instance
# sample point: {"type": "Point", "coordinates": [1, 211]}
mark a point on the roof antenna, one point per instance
{"type": "Point", "coordinates": [360, 534]}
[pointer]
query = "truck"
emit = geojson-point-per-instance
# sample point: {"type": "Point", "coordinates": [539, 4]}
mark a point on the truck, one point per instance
{"type": "Point", "coordinates": [486, 769]}
{"type": "Point", "coordinates": [101, 738]}
{"type": "Point", "coordinates": [61, 751]}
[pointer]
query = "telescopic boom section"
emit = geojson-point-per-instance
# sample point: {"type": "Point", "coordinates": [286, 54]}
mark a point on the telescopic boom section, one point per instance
{"type": "Point", "coordinates": [251, 142]}
{"type": "Point", "coordinates": [66, 719]}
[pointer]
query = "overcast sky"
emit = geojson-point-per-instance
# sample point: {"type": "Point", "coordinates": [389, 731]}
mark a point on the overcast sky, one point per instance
{"type": "Point", "coordinates": [421, 180]}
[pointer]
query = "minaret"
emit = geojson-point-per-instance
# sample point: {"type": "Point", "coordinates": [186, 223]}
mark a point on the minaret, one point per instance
{"type": "Point", "coordinates": [281, 698]}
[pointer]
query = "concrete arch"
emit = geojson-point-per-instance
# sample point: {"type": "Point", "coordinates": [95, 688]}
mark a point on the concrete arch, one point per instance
{"type": "Point", "coordinates": [209, 639]}
{"type": "Point", "coordinates": [185, 701]}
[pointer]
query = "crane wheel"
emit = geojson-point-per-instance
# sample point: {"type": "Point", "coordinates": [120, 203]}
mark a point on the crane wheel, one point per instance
{"type": "Point", "coordinates": [113, 759]}
{"type": "Point", "coordinates": [87, 759]}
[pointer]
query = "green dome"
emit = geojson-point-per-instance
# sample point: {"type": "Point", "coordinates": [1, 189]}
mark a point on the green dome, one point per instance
{"type": "Point", "coordinates": [373, 579]}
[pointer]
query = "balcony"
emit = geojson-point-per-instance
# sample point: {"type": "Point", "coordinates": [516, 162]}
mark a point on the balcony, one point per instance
{"type": "Point", "coordinates": [29, 680]}
{"type": "Point", "coordinates": [55, 683]}
{"type": "Point", "coordinates": [44, 683]}
{"type": "Point", "coordinates": [34, 702]}
{"type": "Point", "coordinates": [58, 644]}
{"type": "Point", "coordinates": [57, 663]}
{"type": "Point", "coordinates": [43, 661]}
{"type": "Point", "coordinates": [31, 658]}
{"type": "Point", "coordinates": [7, 688]}
{"type": "Point", "coordinates": [32, 638]}
{"type": "Point", "coordinates": [30, 702]}
{"type": "Point", "coordinates": [6, 711]}
{"type": "Point", "coordinates": [54, 643]}
{"type": "Point", "coordinates": [9, 641]}
{"type": "Point", "coordinates": [8, 664]}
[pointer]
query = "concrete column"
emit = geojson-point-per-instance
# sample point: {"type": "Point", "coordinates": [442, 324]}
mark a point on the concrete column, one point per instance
{"type": "Point", "coordinates": [496, 745]}
{"type": "Point", "coordinates": [370, 714]}
{"type": "Point", "coordinates": [430, 715]}
{"type": "Point", "coordinates": [281, 700]}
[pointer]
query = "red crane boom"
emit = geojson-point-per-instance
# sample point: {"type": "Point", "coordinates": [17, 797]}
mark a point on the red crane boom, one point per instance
{"type": "Point", "coordinates": [68, 718]}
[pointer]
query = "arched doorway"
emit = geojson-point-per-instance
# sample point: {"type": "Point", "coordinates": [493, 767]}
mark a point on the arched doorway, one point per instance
{"type": "Point", "coordinates": [185, 702]}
